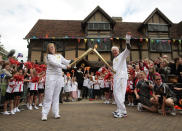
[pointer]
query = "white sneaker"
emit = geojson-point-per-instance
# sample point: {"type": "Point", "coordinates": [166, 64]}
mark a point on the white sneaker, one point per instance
{"type": "Point", "coordinates": [27, 105]}
{"type": "Point", "coordinates": [139, 107]}
{"type": "Point", "coordinates": [107, 102]}
{"type": "Point", "coordinates": [129, 104]}
{"type": "Point", "coordinates": [36, 107]}
{"type": "Point", "coordinates": [57, 116]}
{"type": "Point", "coordinates": [118, 115]}
{"type": "Point", "coordinates": [44, 117]}
{"type": "Point", "coordinates": [113, 102]}
{"type": "Point", "coordinates": [30, 108]}
{"type": "Point", "coordinates": [115, 112]}
{"type": "Point", "coordinates": [6, 113]}
{"type": "Point", "coordinates": [17, 110]}
{"type": "Point", "coordinates": [173, 112]}
{"type": "Point", "coordinates": [12, 112]}
{"type": "Point", "coordinates": [132, 104]}
{"type": "Point", "coordinates": [40, 104]}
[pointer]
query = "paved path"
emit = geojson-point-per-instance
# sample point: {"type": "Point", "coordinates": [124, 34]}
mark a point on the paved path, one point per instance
{"type": "Point", "coordinates": [84, 116]}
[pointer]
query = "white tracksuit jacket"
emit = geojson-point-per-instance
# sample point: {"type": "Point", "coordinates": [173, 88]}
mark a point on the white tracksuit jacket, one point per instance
{"type": "Point", "coordinates": [54, 82]}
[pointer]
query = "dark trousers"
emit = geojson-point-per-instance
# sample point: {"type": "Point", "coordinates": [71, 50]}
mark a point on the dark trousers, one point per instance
{"type": "Point", "coordinates": [84, 92]}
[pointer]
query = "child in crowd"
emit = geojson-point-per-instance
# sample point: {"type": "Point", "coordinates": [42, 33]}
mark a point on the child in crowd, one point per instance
{"type": "Point", "coordinates": [90, 88]}
{"type": "Point", "coordinates": [74, 89]}
{"type": "Point", "coordinates": [101, 81]}
{"type": "Point", "coordinates": [106, 91]}
{"type": "Point", "coordinates": [85, 87]}
{"type": "Point", "coordinates": [130, 90]}
{"type": "Point", "coordinates": [41, 86]}
{"type": "Point", "coordinates": [34, 89]}
{"type": "Point", "coordinates": [67, 88]}
{"type": "Point", "coordinates": [9, 95]}
{"type": "Point", "coordinates": [96, 88]}
{"type": "Point", "coordinates": [18, 91]}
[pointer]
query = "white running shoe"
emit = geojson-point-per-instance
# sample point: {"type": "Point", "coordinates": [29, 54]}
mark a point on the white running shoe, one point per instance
{"type": "Point", "coordinates": [113, 102]}
{"type": "Point", "coordinates": [115, 112]}
{"type": "Point", "coordinates": [27, 105]}
{"type": "Point", "coordinates": [57, 116]}
{"type": "Point", "coordinates": [132, 104]}
{"type": "Point", "coordinates": [40, 105]}
{"type": "Point", "coordinates": [107, 102]}
{"type": "Point", "coordinates": [139, 107]}
{"type": "Point", "coordinates": [30, 107]}
{"type": "Point", "coordinates": [173, 112]}
{"type": "Point", "coordinates": [44, 117]}
{"type": "Point", "coordinates": [6, 113]}
{"type": "Point", "coordinates": [129, 104]}
{"type": "Point", "coordinates": [12, 112]}
{"type": "Point", "coordinates": [17, 110]}
{"type": "Point", "coordinates": [36, 107]}
{"type": "Point", "coordinates": [118, 115]}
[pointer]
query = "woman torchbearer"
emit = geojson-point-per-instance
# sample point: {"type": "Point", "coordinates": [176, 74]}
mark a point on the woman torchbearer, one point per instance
{"type": "Point", "coordinates": [54, 81]}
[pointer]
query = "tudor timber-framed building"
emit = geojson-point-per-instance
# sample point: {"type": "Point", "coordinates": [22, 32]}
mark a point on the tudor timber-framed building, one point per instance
{"type": "Point", "coordinates": [156, 36]}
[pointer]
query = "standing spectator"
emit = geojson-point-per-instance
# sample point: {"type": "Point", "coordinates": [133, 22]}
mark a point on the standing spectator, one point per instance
{"type": "Point", "coordinates": [41, 86]}
{"type": "Point", "coordinates": [80, 79]}
{"type": "Point", "coordinates": [96, 88]}
{"type": "Point", "coordinates": [106, 91]}
{"type": "Point", "coordinates": [67, 88]}
{"type": "Point", "coordinates": [74, 89]}
{"type": "Point", "coordinates": [90, 88]}
{"type": "Point", "coordinates": [18, 91]}
{"type": "Point", "coordinates": [85, 87]}
{"type": "Point", "coordinates": [130, 90]}
{"type": "Point", "coordinates": [164, 70]}
{"type": "Point", "coordinates": [34, 89]}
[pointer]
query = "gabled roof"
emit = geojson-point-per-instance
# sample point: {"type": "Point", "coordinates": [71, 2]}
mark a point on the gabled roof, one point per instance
{"type": "Point", "coordinates": [160, 14]}
{"type": "Point", "coordinates": [121, 28]}
{"type": "Point", "coordinates": [176, 31]}
{"type": "Point", "coordinates": [56, 28]}
{"type": "Point", "coordinates": [98, 8]}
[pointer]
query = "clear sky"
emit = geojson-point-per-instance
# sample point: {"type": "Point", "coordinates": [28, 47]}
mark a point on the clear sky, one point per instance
{"type": "Point", "coordinates": [17, 17]}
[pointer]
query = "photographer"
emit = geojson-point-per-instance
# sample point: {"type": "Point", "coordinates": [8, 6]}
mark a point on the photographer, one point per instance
{"type": "Point", "coordinates": [143, 93]}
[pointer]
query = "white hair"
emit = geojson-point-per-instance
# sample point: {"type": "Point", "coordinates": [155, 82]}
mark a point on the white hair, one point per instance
{"type": "Point", "coordinates": [114, 48]}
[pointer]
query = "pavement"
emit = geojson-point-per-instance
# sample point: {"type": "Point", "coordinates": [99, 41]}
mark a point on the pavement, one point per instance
{"type": "Point", "coordinates": [90, 116]}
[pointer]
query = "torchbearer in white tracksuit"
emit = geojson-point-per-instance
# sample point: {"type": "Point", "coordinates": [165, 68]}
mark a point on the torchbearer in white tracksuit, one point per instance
{"type": "Point", "coordinates": [54, 81]}
{"type": "Point", "coordinates": [120, 78]}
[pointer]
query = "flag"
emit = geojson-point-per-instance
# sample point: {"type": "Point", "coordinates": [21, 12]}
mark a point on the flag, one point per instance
{"type": "Point", "coordinates": [19, 55]}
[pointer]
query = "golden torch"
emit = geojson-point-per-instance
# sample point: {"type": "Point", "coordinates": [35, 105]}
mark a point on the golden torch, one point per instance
{"type": "Point", "coordinates": [105, 62]}
{"type": "Point", "coordinates": [88, 52]}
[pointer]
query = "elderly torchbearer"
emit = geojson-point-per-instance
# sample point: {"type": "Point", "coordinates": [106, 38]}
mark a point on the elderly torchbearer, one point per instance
{"type": "Point", "coordinates": [120, 78]}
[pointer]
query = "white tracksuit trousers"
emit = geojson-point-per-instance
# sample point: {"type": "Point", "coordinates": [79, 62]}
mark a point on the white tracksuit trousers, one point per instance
{"type": "Point", "coordinates": [52, 91]}
{"type": "Point", "coordinates": [119, 92]}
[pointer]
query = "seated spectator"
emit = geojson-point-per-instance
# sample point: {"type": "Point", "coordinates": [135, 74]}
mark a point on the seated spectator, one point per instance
{"type": "Point", "coordinates": [163, 96]}
{"type": "Point", "coordinates": [142, 92]}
